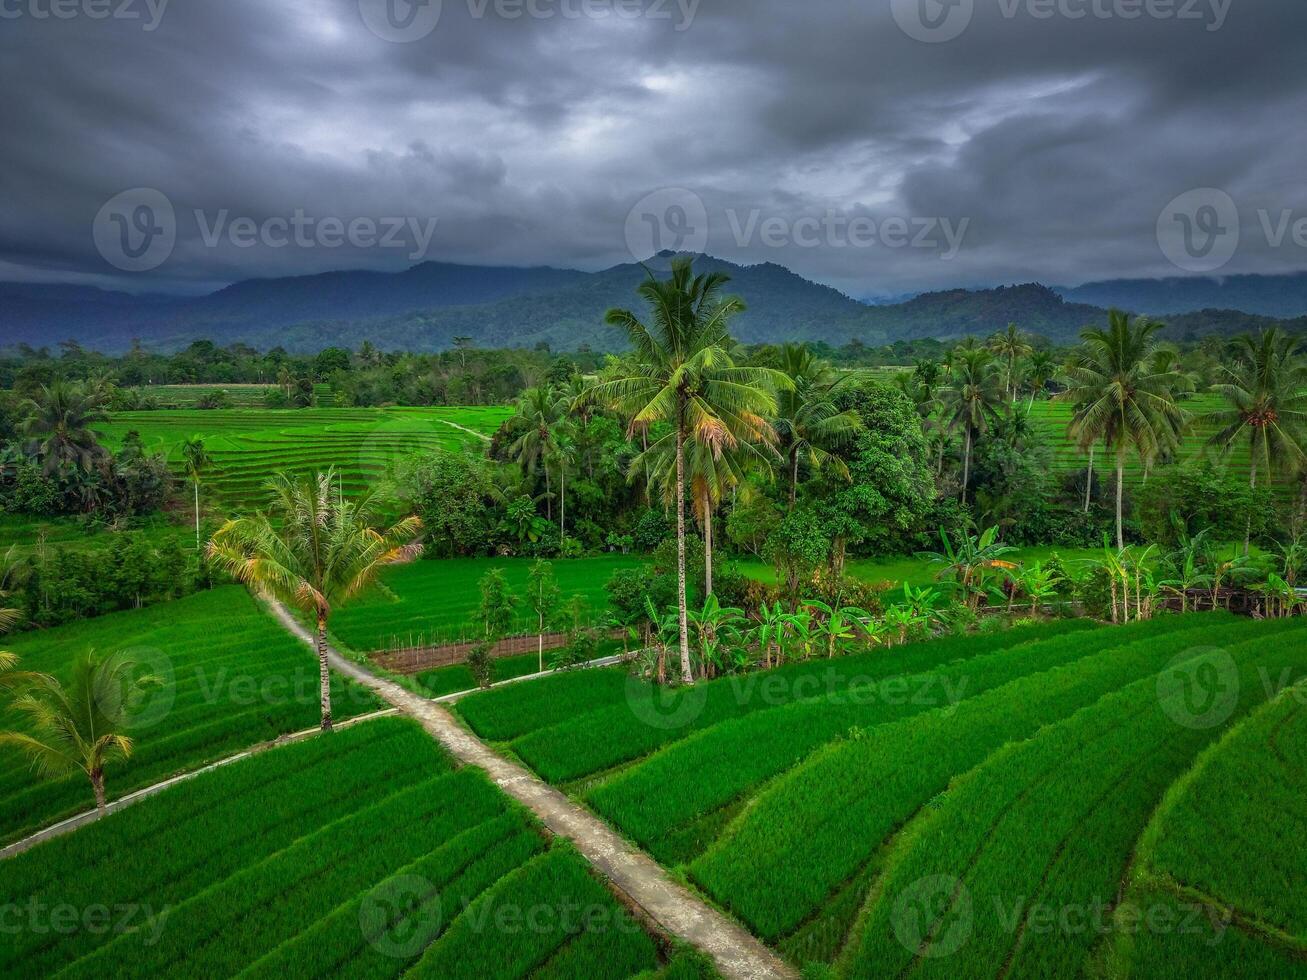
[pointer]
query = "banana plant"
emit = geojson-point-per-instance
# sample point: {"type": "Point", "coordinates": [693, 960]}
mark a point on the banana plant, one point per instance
{"type": "Point", "coordinates": [773, 633]}
{"type": "Point", "coordinates": [1039, 585]}
{"type": "Point", "coordinates": [716, 630]}
{"type": "Point", "coordinates": [969, 560]}
{"type": "Point", "coordinates": [839, 625]}
{"type": "Point", "coordinates": [900, 621]}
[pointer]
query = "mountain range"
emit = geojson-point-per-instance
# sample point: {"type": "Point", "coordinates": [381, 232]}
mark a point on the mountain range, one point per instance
{"type": "Point", "coordinates": [426, 307]}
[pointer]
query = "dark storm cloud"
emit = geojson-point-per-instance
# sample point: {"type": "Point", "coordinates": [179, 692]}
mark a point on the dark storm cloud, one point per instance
{"type": "Point", "coordinates": [819, 135]}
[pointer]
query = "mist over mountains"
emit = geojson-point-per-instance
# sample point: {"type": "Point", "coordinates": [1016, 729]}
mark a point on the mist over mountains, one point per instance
{"type": "Point", "coordinates": [425, 307]}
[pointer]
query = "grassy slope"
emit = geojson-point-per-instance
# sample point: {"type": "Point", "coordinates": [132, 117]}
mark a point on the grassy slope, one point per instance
{"type": "Point", "coordinates": [232, 678]}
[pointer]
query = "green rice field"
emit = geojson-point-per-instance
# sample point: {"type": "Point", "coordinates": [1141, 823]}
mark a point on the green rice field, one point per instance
{"type": "Point", "coordinates": [230, 676]}
{"type": "Point", "coordinates": [248, 446]}
{"type": "Point", "coordinates": [927, 809]}
{"type": "Point", "coordinates": [437, 600]}
{"type": "Point", "coordinates": [362, 854]}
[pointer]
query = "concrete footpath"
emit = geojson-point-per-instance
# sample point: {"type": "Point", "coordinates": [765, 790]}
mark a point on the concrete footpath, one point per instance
{"type": "Point", "coordinates": [644, 882]}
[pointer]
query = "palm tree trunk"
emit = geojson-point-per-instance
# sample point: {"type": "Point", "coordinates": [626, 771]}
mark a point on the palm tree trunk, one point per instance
{"type": "Point", "coordinates": [966, 466]}
{"type": "Point", "coordinates": [1089, 478]}
{"type": "Point", "coordinates": [197, 515]}
{"type": "Point", "coordinates": [794, 476]}
{"type": "Point", "coordinates": [549, 496]}
{"type": "Point", "coordinates": [540, 637]}
{"type": "Point", "coordinates": [97, 784]}
{"type": "Point", "coordinates": [562, 505]}
{"type": "Point", "coordinates": [707, 550]}
{"type": "Point", "coordinates": [1248, 528]}
{"type": "Point", "coordinates": [687, 675]}
{"type": "Point", "coordinates": [1120, 498]}
{"type": "Point", "coordinates": [324, 675]}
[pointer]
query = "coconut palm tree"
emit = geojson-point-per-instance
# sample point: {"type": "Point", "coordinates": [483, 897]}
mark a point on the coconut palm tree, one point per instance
{"type": "Point", "coordinates": [541, 410]}
{"type": "Point", "coordinates": [1119, 401]}
{"type": "Point", "coordinates": [197, 460]}
{"type": "Point", "coordinates": [1267, 407]}
{"type": "Point", "coordinates": [712, 471]}
{"type": "Point", "coordinates": [59, 427]}
{"type": "Point", "coordinates": [971, 401]}
{"type": "Point", "coordinates": [313, 550]}
{"type": "Point", "coordinates": [808, 422]}
{"type": "Point", "coordinates": [1041, 368]}
{"type": "Point", "coordinates": [681, 372]}
{"type": "Point", "coordinates": [80, 727]}
{"type": "Point", "coordinates": [1010, 347]}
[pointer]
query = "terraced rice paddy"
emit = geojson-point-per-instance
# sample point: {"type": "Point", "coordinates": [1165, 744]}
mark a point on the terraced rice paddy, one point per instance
{"type": "Point", "coordinates": [437, 601]}
{"type": "Point", "coordinates": [361, 854]}
{"type": "Point", "coordinates": [1050, 418]}
{"type": "Point", "coordinates": [1222, 858]}
{"type": "Point", "coordinates": [230, 678]}
{"type": "Point", "coordinates": [932, 809]}
{"type": "Point", "coordinates": [248, 446]}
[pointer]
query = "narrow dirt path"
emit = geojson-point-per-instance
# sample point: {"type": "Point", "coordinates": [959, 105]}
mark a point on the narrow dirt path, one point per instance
{"type": "Point", "coordinates": [642, 880]}
{"type": "Point", "coordinates": [480, 435]}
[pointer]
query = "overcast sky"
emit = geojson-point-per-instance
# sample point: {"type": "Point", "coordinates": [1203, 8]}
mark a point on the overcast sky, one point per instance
{"type": "Point", "coordinates": [881, 146]}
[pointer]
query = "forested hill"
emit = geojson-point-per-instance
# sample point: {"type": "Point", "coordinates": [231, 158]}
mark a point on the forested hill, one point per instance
{"type": "Point", "coordinates": [427, 306]}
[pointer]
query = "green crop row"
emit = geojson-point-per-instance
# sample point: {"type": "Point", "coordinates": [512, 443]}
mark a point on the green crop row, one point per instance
{"type": "Point", "coordinates": [1224, 844]}
{"type": "Point", "coordinates": [231, 678]}
{"type": "Point", "coordinates": [192, 838]}
{"type": "Point", "coordinates": [675, 816]}
{"type": "Point", "coordinates": [1017, 868]}
{"type": "Point", "coordinates": [380, 932]}
{"type": "Point", "coordinates": [646, 719]}
{"type": "Point", "coordinates": [219, 931]}
{"type": "Point", "coordinates": [541, 917]}
{"type": "Point", "coordinates": [831, 814]}
{"type": "Point", "coordinates": [359, 854]}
